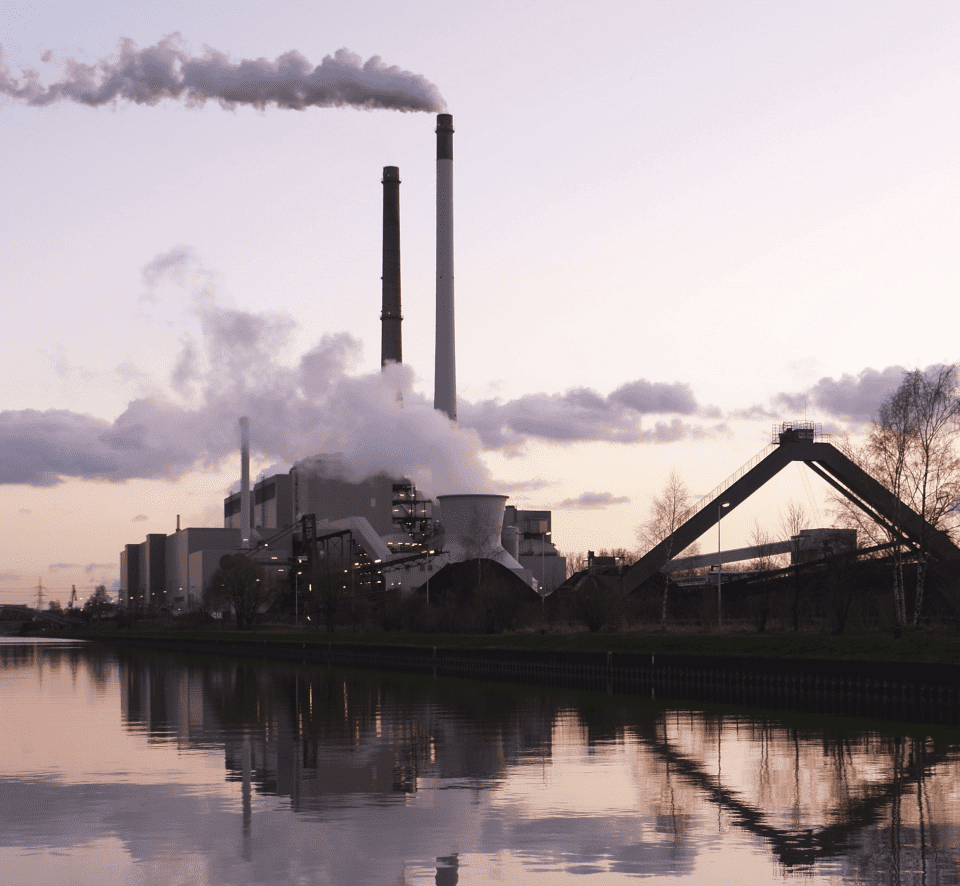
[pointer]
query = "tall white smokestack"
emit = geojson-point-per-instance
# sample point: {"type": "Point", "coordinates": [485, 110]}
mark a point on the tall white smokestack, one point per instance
{"type": "Point", "coordinates": [245, 514]}
{"type": "Point", "coordinates": [445, 366]}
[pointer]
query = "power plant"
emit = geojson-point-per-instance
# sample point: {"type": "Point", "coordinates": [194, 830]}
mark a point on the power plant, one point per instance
{"type": "Point", "coordinates": [379, 532]}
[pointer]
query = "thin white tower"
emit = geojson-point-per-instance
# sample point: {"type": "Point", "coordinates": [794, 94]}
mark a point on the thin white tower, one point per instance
{"type": "Point", "coordinates": [445, 365]}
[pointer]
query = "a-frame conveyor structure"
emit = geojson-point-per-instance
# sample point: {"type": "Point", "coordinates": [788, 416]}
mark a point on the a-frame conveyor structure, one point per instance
{"type": "Point", "coordinates": [796, 441]}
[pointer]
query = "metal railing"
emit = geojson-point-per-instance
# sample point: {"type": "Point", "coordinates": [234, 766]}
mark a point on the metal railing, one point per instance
{"type": "Point", "coordinates": [809, 429]}
{"type": "Point", "coordinates": [726, 484]}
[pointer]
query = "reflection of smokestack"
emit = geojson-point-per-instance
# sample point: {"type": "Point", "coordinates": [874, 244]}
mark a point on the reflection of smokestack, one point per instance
{"type": "Point", "coordinates": [445, 366]}
{"type": "Point", "coordinates": [245, 481]}
{"type": "Point", "coordinates": [390, 343]}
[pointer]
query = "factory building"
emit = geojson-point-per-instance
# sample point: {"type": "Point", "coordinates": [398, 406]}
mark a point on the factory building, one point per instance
{"type": "Point", "coordinates": [816, 544]}
{"type": "Point", "coordinates": [379, 524]}
{"type": "Point", "coordinates": [172, 571]}
{"type": "Point", "coordinates": [320, 487]}
{"type": "Point", "coordinates": [527, 537]}
{"type": "Point", "coordinates": [317, 485]}
{"type": "Point", "coordinates": [272, 504]}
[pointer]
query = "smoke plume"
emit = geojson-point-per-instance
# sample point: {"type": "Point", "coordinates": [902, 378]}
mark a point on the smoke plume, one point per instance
{"type": "Point", "coordinates": [166, 70]}
{"type": "Point", "coordinates": [235, 364]}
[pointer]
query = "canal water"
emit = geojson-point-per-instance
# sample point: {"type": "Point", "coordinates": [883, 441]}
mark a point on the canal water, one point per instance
{"type": "Point", "coordinates": [127, 767]}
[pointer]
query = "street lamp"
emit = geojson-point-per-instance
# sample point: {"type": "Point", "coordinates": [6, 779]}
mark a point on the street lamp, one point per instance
{"type": "Point", "coordinates": [720, 507]}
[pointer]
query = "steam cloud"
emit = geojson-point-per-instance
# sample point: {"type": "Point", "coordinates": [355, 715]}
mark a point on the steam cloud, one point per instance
{"type": "Point", "coordinates": [230, 369]}
{"type": "Point", "coordinates": [318, 404]}
{"type": "Point", "coordinates": [167, 70]}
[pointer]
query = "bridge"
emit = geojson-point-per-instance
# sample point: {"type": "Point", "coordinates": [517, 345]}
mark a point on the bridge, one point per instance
{"type": "Point", "coordinates": [13, 617]}
{"type": "Point", "coordinates": [796, 442]}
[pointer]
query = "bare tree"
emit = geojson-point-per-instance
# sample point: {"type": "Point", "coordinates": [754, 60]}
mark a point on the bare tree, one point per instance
{"type": "Point", "coordinates": [483, 540]}
{"type": "Point", "coordinates": [98, 603]}
{"type": "Point", "coordinates": [763, 562]}
{"type": "Point", "coordinates": [883, 456]}
{"type": "Point", "coordinates": [934, 469]}
{"type": "Point", "coordinates": [241, 584]}
{"type": "Point", "coordinates": [792, 521]}
{"type": "Point", "coordinates": [328, 589]}
{"type": "Point", "coordinates": [669, 510]}
{"type": "Point", "coordinates": [911, 450]}
{"type": "Point", "coordinates": [575, 563]}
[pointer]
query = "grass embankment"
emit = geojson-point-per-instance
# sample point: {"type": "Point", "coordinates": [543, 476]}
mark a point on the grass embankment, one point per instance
{"type": "Point", "coordinates": [914, 646]}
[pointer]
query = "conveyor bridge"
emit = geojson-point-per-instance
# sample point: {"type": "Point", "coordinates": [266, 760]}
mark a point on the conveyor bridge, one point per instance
{"type": "Point", "coordinates": [795, 441]}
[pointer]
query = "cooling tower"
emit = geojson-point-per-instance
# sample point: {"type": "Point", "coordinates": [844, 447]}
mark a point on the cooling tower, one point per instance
{"type": "Point", "coordinates": [391, 350]}
{"type": "Point", "coordinates": [471, 528]}
{"type": "Point", "coordinates": [445, 365]}
{"type": "Point", "coordinates": [510, 539]}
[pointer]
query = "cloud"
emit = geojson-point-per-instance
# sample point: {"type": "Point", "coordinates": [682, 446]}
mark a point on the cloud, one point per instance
{"type": "Point", "coordinates": [532, 485]}
{"type": "Point", "coordinates": [850, 398]}
{"type": "Point", "coordinates": [175, 265]}
{"type": "Point", "coordinates": [25, 511]}
{"type": "Point", "coordinates": [584, 415]}
{"type": "Point", "coordinates": [167, 71]}
{"type": "Point", "coordinates": [139, 518]}
{"type": "Point", "coordinates": [58, 567]}
{"type": "Point", "coordinates": [10, 576]}
{"type": "Point", "coordinates": [238, 364]}
{"type": "Point", "coordinates": [855, 398]}
{"type": "Point", "coordinates": [646, 397]}
{"type": "Point", "coordinates": [99, 567]}
{"type": "Point", "coordinates": [236, 367]}
{"type": "Point", "coordinates": [593, 500]}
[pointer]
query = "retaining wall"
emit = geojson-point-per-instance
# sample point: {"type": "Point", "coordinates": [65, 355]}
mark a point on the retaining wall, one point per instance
{"type": "Point", "coordinates": [906, 691]}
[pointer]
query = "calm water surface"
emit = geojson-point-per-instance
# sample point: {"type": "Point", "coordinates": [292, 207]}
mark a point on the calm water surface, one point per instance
{"type": "Point", "coordinates": [122, 767]}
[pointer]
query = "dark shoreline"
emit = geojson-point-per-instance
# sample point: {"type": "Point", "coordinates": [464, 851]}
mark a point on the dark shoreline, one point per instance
{"type": "Point", "coordinates": [911, 691]}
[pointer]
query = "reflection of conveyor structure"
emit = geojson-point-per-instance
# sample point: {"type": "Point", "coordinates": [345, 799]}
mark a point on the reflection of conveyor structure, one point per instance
{"type": "Point", "coordinates": [796, 442]}
{"type": "Point", "coordinates": [801, 846]}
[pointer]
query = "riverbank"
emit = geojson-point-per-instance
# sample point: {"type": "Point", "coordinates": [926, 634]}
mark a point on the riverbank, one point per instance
{"type": "Point", "coordinates": [879, 677]}
{"type": "Point", "coordinates": [922, 647]}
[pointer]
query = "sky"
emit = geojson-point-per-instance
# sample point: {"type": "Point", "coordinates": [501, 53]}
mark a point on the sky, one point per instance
{"type": "Point", "coordinates": [676, 224]}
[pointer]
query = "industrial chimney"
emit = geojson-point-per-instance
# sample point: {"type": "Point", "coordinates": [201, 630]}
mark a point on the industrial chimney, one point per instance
{"type": "Point", "coordinates": [445, 366]}
{"type": "Point", "coordinates": [391, 350]}
{"type": "Point", "coordinates": [245, 515]}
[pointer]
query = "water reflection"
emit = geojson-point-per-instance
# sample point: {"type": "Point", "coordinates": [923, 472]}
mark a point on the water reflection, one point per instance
{"type": "Point", "coordinates": [286, 774]}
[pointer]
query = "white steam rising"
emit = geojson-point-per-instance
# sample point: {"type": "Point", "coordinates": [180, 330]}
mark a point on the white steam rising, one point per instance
{"type": "Point", "coordinates": [167, 70]}
{"type": "Point", "coordinates": [234, 367]}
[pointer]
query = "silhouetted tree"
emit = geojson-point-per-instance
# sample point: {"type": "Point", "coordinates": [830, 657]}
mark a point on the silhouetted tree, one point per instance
{"type": "Point", "coordinates": [792, 520]}
{"type": "Point", "coordinates": [98, 604]}
{"type": "Point", "coordinates": [329, 589]}
{"type": "Point", "coordinates": [241, 584]}
{"type": "Point", "coordinates": [912, 450]}
{"type": "Point", "coordinates": [669, 510]}
{"type": "Point", "coordinates": [763, 562]}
